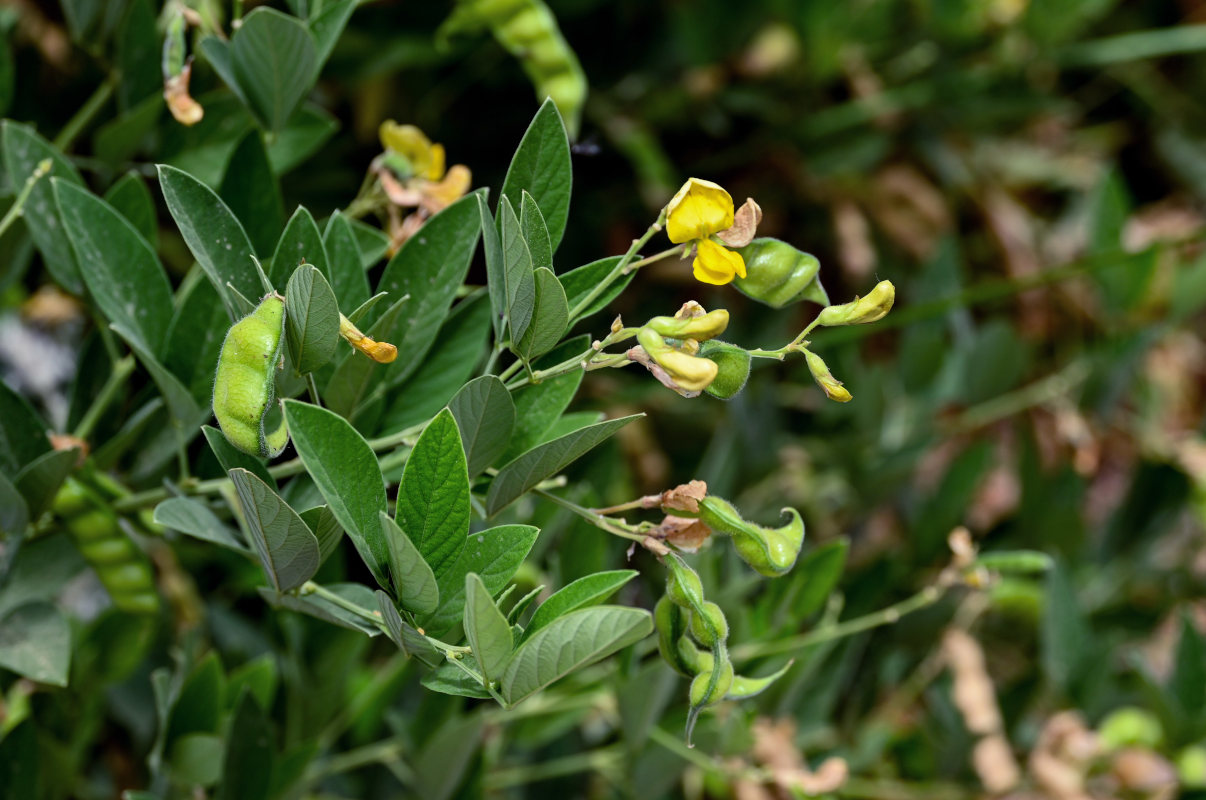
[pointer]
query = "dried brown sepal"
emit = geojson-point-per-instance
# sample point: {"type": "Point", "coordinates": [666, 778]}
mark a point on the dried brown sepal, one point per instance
{"type": "Point", "coordinates": [684, 497]}
{"type": "Point", "coordinates": [184, 108]}
{"type": "Point", "coordinates": [683, 532]}
{"type": "Point", "coordinates": [65, 441]}
{"type": "Point", "coordinates": [745, 225]}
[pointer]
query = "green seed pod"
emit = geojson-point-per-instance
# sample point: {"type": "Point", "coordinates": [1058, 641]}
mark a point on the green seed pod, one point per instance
{"type": "Point", "coordinates": [671, 624]}
{"type": "Point", "coordinates": [872, 308]}
{"type": "Point", "coordinates": [778, 274]}
{"type": "Point", "coordinates": [709, 627]}
{"type": "Point", "coordinates": [123, 569]}
{"type": "Point", "coordinates": [733, 365]}
{"type": "Point", "coordinates": [244, 386]}
{"type": "Point", "coordinates": [1014, 562]}
{"type": "Point", "coordinates": [743, 688]}
{"type": "Point", "coordinates": [1130, 727]}
{"type": "Point", "coordinates": [701, 328]}
{"type": "Point", "coordinates": [683, 586]}
{"type": "Point", "coordinates": [770, 551]}
{"type": "Point", "coordinates": [700, 694]}
{"type": "Point", "coordinates": [1191, 766]}
{"type": "Point", "coordinates": [694, 659]}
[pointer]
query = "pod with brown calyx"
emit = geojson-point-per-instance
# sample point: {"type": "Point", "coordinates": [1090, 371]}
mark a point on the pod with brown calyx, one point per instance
{"type": "Point", "coordinates": [778, 274]}
{"type": "Point", "coordinates": [770, 551]}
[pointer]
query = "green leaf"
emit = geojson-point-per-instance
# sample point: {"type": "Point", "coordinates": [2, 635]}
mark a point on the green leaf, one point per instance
{"type": "Point", "coordinates": [486, 628]}
{"type": "Point", "coordinates": [19, 763]}
{"type": "Point", "coordinates": [373, 242]}
{"type": "Point", "coordinates": [413, 581]}
{"type": "Point", "coordinates": [517, 273]}
{"type": "Point", "coordinates": [40, 569]}
{"type": "Point", "coordinates": [247, 766]}
{"type": "Point", "coordinates": [443, 761]}
{"type": "Point", "coordinates": [449, 678]}
{"type": "Point", "coordinates": [496, 278]}
{"type": "Point", "coordinates": [357, 373]}
{"type": "Point", "coordinates": [197, 759]}
{"type": "Point", "coordinates": [123, 274]}
{"type": "Point", "coordinates": [198, 706]}
{"type": "Point", "coordinates": [14, 514]}
{"type": "Point", "coordinates": [230, 457]}
{"type": "Point", "coordinates": [191, 517]}
{"type": "Point", "coordinates": [41, 478]}
{"type": "Point", "coordinates": [433, 497]}
{"type": "Point", "coordinates": [587, 591]}
{"type": "Point", "coordinates": [582, 280]}
{"type": "Point", "coordinates": [138, 53]}
{"type": "Point", "coordinates": [22, 432]}
{"type": "Point", "coordinates": [569, 643]}
{"type": "Point", "coordinates": [494, 554]}
{"type": "Point", "coordinates": [131, 198]}
{"type": "Point", "coordinates": [1065, 635]}
{"type": "Point", "coordinates": [326, 530]}
{"type": "Point", "coordinates": [274, 60]}
{"type": "Point", "coordinates": [430, 268]}
{"type": "Point", "coordinates": [485, 416]}
{"type": "Point", "coordinates": [185, 413]}
{"type": "Point", "coordinates": [23, 151]}
{"type": "Point", "coordinates": [195, 336]}
{"type": "Point", "coordinates": [354, 594]}
{"type": "Point", "coordinates": [327, 26]}
{"type": "Point", "coordinates": [409, 640]}
{"type": "Point", "coordinates": [212, 233]}
{"type": "Point", "coordinates": [1187, 683]}
{"type": "Point", "coordinates": [452, 360]}
{"type": "Point", "coordinates": [311, 319]}
{"type": "Point", "coordinates": [252, 192]}
{"type": "Point", "coordinates": [35, 641]}
{"type": "Point", "coordinates": [348, 278]}
{"type": "Point", "coordinates": [547, 460]}
{"type": "Point", "coordinates": [820, 570]}
{"type": "Point", "coordinates": [550, 317]}
{"type": "Point", "coordinates": [535, 233]}
{"type": "Point", "coordinates": [287, 548]}
{"type": "Point", "coordinates": [541, 166]}
{"type": "Point", "coordinates": [301, 242]}
{"type": "Point", "coordinates": [347, 474]}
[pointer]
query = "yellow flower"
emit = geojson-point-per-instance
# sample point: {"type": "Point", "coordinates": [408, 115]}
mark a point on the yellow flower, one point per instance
{"type": "Point", "coordinates": [425, 158]}
{"type": "Point", "coordinates": [700, 210]}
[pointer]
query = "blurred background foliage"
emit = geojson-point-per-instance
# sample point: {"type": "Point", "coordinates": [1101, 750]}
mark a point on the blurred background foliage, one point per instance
{"type": "Point", "coordinates": [1031, 176]}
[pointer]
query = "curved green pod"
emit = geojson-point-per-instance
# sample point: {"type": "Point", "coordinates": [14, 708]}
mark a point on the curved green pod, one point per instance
{"type": "Point", "coordinates": [778, 274]}
{"type": "Point", "coordinates": [244, 400]}
{"type": "Point", "coordinates": [770, 551]}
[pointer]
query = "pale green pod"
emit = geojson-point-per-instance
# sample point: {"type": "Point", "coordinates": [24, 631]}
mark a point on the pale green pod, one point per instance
{"type": "Point", "coordinates": [770, 551]}
{"type": "Point", "coordinates": [244, 386]}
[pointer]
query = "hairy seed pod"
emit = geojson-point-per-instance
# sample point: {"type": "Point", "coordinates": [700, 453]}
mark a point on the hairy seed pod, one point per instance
{"type": "Point", "coordinates": [770, 551]}
{"type": "Point", "coordinates": [671, 624]}
{"type": "Point", "coordinates": [244, 386]}
{"type": "Point", "coordinates": [700, 694]}
{"type": "Point", "coordinates": [683, 586]}
{"type": "Point", "coordinates": [778, 274]}
{"type": "Point", "coordinates": [709, 627]}
{"type": "Point", "coordinates": [733, 367]}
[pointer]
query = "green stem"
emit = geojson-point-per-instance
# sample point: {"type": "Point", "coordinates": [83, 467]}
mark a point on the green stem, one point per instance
{"type": "Point", "coordinates": [614, 527]}
{"type": "Point", "coordinates": [509, 371]}
{"type": "Point", "coordinates": [117, 379]}
{"type": "Point", "coordinates": [18, 206]}
{"type": "Point", "coordinates": [619, 269]}
{"type": "Point", "coordinates": [602, 760]}
{"type": "Point", "coordinates": [387, 750]}
{"type": "Point", "coordinates": [885, 616]}
{"type": "Point", "coordinates": [635, 265]}
{"type": "Point", "coordinates": [86, 112]}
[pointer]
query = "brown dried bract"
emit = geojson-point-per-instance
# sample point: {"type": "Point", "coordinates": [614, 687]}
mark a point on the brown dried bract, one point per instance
{"type": "Point", "coordinates": [184, 108]}
{"type": "Point", "coordinates": [683, 532]}
{"type": "Point", "coordinates": [684, 497]}
{"type": "Point", "coordinates": [745, 225]}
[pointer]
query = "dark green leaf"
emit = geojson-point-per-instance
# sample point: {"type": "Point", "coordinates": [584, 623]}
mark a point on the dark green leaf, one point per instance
{"type": "Point", "coordinates": [547, 460]}
{"type": "Point", "coordinates": [19, 770]}
{"type": "Point", "coordinates": [212, 233]}
{"type": "Point", "coordinates": [413, 581]}
{"type": "Point", "coordinates": [550, 317]}
{"type": "Point", "coordinates": [354, 594]}
{"type": "Point", "coordinates": [494, 555]}
{"type": "Point", "coordinates": [41, 478]}
{"type": "Point", "coordinates": [35, 641]}
{"type": "Point", "coordinates": [328, 25]}
{"type": "Point", "coordinates": [348, 278]}
{"type": "Point", "coordinates": [345, 469]}
{"type": "Point", "coordinates": [184, 411]}
{"type": "Point", "coordinates": [131, 198]}
{"type": "Point", "coordinates": [517, 272]}
{"type": "Point", "coordinates": [1067, 650]}
{"type": "Point", "coordinates": [409, 640]}
{"type": "Point", "coordinates": [569, 643]}
{"type": "Point", "coordinates": [288, 550]}
{"type": "Point", "coordinates": [252, 192]}
{"type": "Point", "coordinates": [247, 766]}
{"type": "Point", "coordinates": [587, 591]}
{"type": "Point", "coordinates": [311, 319]}
{"type": "Point", "coordinates": [22, 432]}
{"type": "Point", "coordinates": [194, 518]}
{"type": "Point", "coordinates": [485, 416]}
{"type": "Point", "coordinates": [23, 151]}
{"type": "Point", "coordinates": [496, 277]}
{"type": "Point", "coordinates": [486, 628]}
{"type": "Point", "coordinates": [433, 497]}
{"type": "Point", "coordinates": [231, 457]}
{"type": "Point", "coordinates": [541, 166]}
{"type": "Point", "coordinates": [14, 514]}
{"type": "Point", "coordinates": [443, 761]}
{"type": "Point", "coordinates": [373, 242]}
{"type": "Point", "coordinates": [273, 58]}
{"type": "Point", "coordinates": [326, 530]}
{"type": "Point", "coordinates": [137, 57]}
{"type": "Point", "coordinates": [429, 268]}
{"type": "Point", "coordinates": [820, 570]}
{"type": "Point", "coordinates": [535, 233]}
{"type": "Point", "coordinates": [195, 336]}
{"type": "Point", "coordinates": [123, 274]}
{"type": "Point", "coordinates": [198, 706]}
{"type": "Point", "coordinates": [449, 678]}
{"type": "Point", "coordinates": [300, 243]}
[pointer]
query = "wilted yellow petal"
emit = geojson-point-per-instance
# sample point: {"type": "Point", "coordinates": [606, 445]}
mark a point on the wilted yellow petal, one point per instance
{"type": "Point", "coordinates": [450, 189]}
{"type": "Point", "coordinates": [700, 209]}
{"type": "Point", "coordinates": [716, 264]}
{"type": "Point", "coordinates": [435, 169]}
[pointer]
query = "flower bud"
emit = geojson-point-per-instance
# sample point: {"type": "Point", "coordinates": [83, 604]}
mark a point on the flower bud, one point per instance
{"type": "Point", "coordinates": [686, 372]}
{"type": "Point", "coordinates": [700, 328]}
{"type": "Point", "coordinates": [875, 306]}
{"type": "Point", "coordinates": [770, 551]}
{"type": "Point", "coordinates": [820, 372]}
{"type": "Point", "coordinates": [778, 274]}
{"type": "Point", "coordinates": [733, 365]}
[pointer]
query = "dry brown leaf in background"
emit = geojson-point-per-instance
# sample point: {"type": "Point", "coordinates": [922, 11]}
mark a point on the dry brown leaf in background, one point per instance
{"type": "Point", "coordinates": [855, 248]}
{"type": "Point", "coordinates": [910, 209]}
{"type": "Point", "coordinates": [995, 765]}
{"type": "Point", "coordinates": [1000, 491]}
{"type": "Point", "coordinates": [1061, 758]}
{"type": "Point", "coordinates": [1144, 772]}
{"type": "Point", "coordinates": [1013, 228]}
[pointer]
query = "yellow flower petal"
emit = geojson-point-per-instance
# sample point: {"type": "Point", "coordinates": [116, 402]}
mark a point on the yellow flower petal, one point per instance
{"type": "Point", "coordinates": [435, 170]}
{"type": "Point", "coordinates": [410, 143]}
{"type": "Point", "coordinates": [443, 193]}
{"type": "Point", "coordinates": [700, 209]}
{"type": "Point", "coordinates": [716, 264]}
